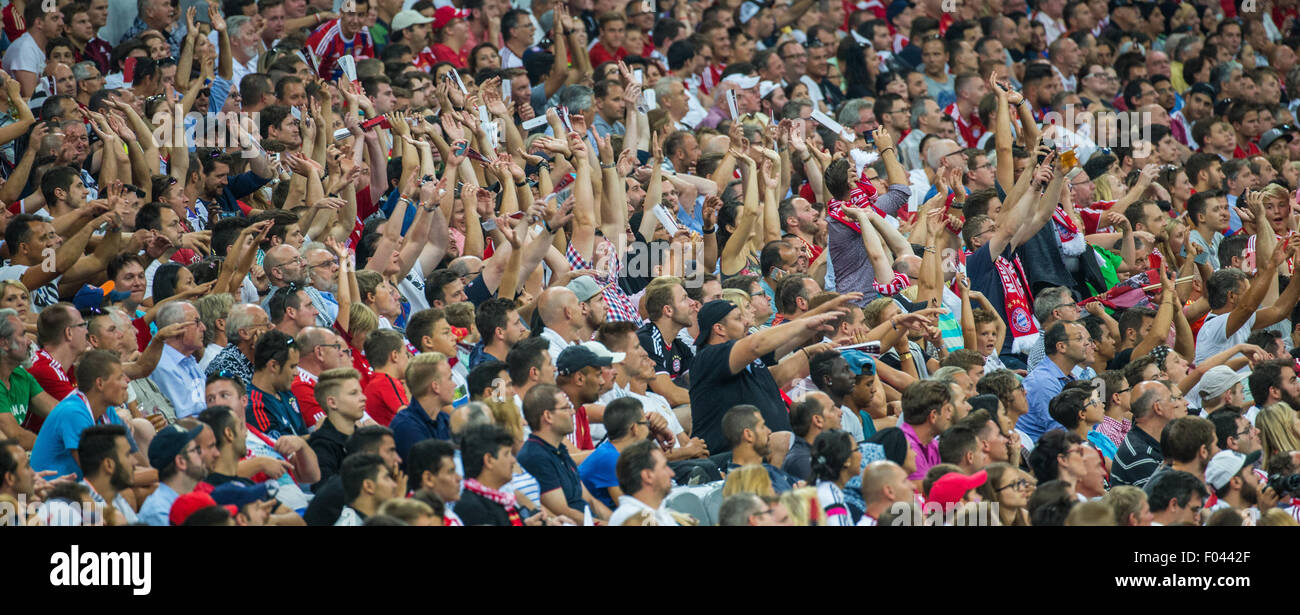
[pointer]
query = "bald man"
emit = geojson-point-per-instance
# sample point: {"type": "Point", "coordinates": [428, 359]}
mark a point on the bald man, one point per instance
{"type": "Point", "coordinates": [561, 319]}
{"type": "Point", "coordinates": [884, 483]}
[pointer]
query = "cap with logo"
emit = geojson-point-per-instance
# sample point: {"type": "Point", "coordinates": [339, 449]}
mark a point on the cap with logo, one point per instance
{"type": "Point", "coordinates": [444, 15]}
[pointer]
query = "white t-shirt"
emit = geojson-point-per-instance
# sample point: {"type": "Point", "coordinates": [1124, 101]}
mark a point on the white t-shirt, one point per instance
{"type": "Point", "coordinates": [24, 54]}
{"type": "Point", "coordinates": [1212, 340]}
{"type": "Point", "coordinates": [412, 289]}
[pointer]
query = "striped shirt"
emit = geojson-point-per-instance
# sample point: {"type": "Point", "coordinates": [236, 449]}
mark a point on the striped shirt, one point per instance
{"type": "Point", "coordinates": [1136, 460]}
{"type": "Point", "coordinates": [274, 415]}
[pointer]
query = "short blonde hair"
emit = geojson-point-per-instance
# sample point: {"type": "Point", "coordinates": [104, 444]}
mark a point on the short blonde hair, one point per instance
{"type": "Point", "coordinates": [329, 383]}
{"type": "Point", "coordinates": [752, 478]}
{"type": "Point", "coordinates": [1276, 429]}
{"type": "Point", "coordinates": [1125, 501]}
{"type": "Point", "coordinates": [737, 297]}
{"type": "Point", "coordinates": [422, 370]}
{"type": "Point", "coordinates": [1276, 517]}
{"type": "Point", "coordinates": [361, 320]}
{"type": "Point", "coordinates": [406, 509]}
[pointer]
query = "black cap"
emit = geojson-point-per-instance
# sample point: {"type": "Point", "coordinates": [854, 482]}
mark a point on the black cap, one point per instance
{"type": "Point", "coordinates": [1203, 88]}
{"type": "Point", "coordinates": [711, 314]}
{"type": "Point", "coordinates": [168, 443]}
{"type": "Point", "coordinates": [573, 358]}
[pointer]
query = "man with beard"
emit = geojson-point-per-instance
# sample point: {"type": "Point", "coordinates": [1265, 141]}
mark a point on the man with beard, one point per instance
{"type": "Point", "coordinates": [19, 391]}
{"type": "Point", "coordinates": [578, 374]}
{"type": "Point", "coordinates": [1234, 483]}
{"type": "Point", "coordinates": [805, 225]}
{"type": "Point", "coordinates": [750, 440]}
{"type": "Point", "coordinates": [1271, 382]}
{"type": "Point", "coordinates": [232, 446]}
{"type": "Point", "coordinates": [591, 302]}
{"type": "Point", "coordinates": [179, 456]}
{"type": "Point", "coordinates": [104, 455]}
{"type": "Point", "coordinates": [101, 383]}
{"type": "Point", "coordinates": [221, 190]}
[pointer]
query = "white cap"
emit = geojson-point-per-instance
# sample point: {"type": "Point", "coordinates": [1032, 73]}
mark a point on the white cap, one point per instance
{"type": "Point", "coordinates": [1218, 380]}
{"type": "Point", "coordinates": [1226, 465]}
{"type": "Point", "coordinates": [742, 81]}
{"type": "Point", "coordinates": [747, 11]}
{"type": "Point", "coordinates": [602, 352]}
{"type": "Point", "coordinates": [766, 87]}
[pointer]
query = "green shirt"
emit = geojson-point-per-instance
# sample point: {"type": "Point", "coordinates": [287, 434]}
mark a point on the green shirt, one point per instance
{"type": "Point", "coordinates": [15, 398]}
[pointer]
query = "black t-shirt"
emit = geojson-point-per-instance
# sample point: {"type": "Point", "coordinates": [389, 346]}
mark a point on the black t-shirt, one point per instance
{"type": "Point", "coordinates": [672, 358]}
{"type": "Point", "coordinates": [327, 442]}
{"type": "Point", "coordinates": [714, 390]}
{"type": "Point", "coordinates": [217, 480]}
{"type": "Point", "coordinates": [474, 509]}
{"type": "Point", "coordinates": [328, 503]}
{"type": "Point", "coordinates": [1121, 359]}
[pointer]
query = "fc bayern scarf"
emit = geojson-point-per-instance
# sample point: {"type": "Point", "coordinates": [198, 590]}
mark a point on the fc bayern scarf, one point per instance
{"type": "Point", "coordinates": [504, 499]}
{"type": "Point", "coordinates": [1017, 300]}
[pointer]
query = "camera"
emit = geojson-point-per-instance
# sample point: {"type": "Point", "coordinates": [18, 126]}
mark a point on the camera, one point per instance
{"type": "Point", "coordinates": [1284, 484]}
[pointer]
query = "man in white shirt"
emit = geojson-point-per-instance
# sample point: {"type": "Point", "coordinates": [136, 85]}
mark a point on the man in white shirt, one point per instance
{"type": "Point", "coordinates": [634, 371]}
{"type": "Point", "coordinates": [25, 58]}
{"type": "Point", "coordinates": [1234, 301]}
{"type": "Point", "coordinates": [645, 478]}
{"type": "Point", "coordinates": [517, 29]}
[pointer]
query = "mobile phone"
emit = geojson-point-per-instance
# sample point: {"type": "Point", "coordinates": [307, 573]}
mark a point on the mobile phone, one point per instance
{"type": "Point", "coordinates": [460, 149]}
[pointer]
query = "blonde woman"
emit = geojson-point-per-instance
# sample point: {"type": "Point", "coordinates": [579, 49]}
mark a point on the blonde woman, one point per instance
{"type": "Point", "coordinates": [748, 479]}
{"type": "Point", "coordinates": [15, 296]}
{"type": "Point", "coordinates": [802, 504]}
{"type": "Point", "coordinates": [740, 299]}
{"type": "Point", "coordinates": [1278, 429]}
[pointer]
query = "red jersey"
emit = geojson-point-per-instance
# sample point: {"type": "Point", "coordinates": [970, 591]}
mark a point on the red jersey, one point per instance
{"type": "Point", "coordinates": [326, 45]}
{"type": "Point", "coordinates": [13, 24]}
{"type": "Point", "coordinates": [304, 390]}
{"type": "Point", "coordinates": [1252, 150]}
{"type": "Point", "coordinates": [359, 361]}
{"type": "Point", "coordinates": [425, 60]}
{"type": "Point", "coordinates": [52, 376]}
{"type": "Point", "coordinates": [600, 54]}
{"type": "Point", "coordinates": [969, 128]}
{"type": "Point", "coordinates": [443, 53]}
{"type": "Point", "coordinates": [385, 396]}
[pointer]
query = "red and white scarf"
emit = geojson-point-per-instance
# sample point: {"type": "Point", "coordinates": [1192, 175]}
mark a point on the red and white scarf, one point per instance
{"type": "Point", "coordinates": [862, 195]}
{"type": "Point", "coordinates": [1072, 241]}
{"type": "Point", "coordinates": [1018, 302]}
{"type": "Point", "coordinates": [504, 499]}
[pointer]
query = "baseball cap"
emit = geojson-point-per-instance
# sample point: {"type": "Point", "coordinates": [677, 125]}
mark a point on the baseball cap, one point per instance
{"type": "Point", "coordinates": [766, 87]}
{"type": "Point", "coordinates": [859, 362]}
{"type": "Point", "coordinates": [1202, 88]}
{"type": "Point", "coordinates": [408, 18]}
{"type": "Point", "coordinates": [89, 297]}
{"type": "Point", "coordinates": [1114, 4]}
{"type": "Point", "coordinates": [742, 80]}
{"type": "Point", "coordinates": [747, 11]}
{"type": "Point", "coordinates": [711, 314]}
{"type": "Point", "coordinates": [951, 487]}
{"type": "Point", "coordinates": [574, 358]}
{"type": "Point", "coordinates": [168, 443]}
{"type": "Point", "coordinates": [1227, 464]}
{"type": "Point", "coordinates": [585, 287]}
{"type": "Point", "coordinates": [1271, 135]}
{"type": "Point", "coordinates": [239, 496]}
{"type": "Point", "coordinates": [191, 503]}
{"type": "Point", "coordinates": [603, 352]}
{"type": "Point", "coordinates": [895, 9]}
{"type": "Point", "coordinates": [444, 15]}
{"type": "Point", "coordinates": [1218, 380]}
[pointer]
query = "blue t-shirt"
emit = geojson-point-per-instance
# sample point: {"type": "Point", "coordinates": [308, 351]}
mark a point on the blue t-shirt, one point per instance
{"type": "Point", "coordinates": [597, 472]}
{"type": "Point", "coordinates": [61, 434]}
{"type": "Point", "coordinates": [553, 468]}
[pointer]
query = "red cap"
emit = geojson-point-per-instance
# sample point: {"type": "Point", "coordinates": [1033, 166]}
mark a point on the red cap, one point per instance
{"type": "Point", "coordinates": [951, 487]}
{"type": "Point", "coordinates": [192, 502]}
{"type": "Point", "coordinates": [444, 15]}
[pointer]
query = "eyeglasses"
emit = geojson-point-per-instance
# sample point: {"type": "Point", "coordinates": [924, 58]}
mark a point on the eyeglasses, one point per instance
{"type": "Point", "coordinates": [328, 263]}
{"type": "Point", "coordinates": [1020, 485]}
{"type": "Point", "coordinates": [334, 346]}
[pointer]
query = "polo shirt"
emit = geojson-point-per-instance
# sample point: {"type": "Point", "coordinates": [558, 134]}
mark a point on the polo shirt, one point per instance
{"type": "Point", "coordinates": [927, 455]}
{"type": "Point", "coordinates": [714, 390]}
{"type": "Point", "coordinates": [1136, 459]}
{"type": "Point", "coordinates": [61, 434]}
{"type": "Point", "coordinates": [414, 425]}
{"type": "Point", "coordinates": [597, 472]}
{"type": "Point", "coordinates": [673, 358]}
{"type": "Point", "coordinates": [15, 397]}
{"type": "Point", "coordinates": [798, 462]}
{"type": "Point", "coordinates": [274, 414]}
{"type": "Point", "coordinates": [328, 444]}
{"type": "Point", "coordinates": [553, 468]}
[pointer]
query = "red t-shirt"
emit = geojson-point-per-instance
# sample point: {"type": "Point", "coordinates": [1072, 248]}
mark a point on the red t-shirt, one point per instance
{"type": "Point", "coordinates": [326, 45]}
{"type": "Point", "coordinates": [304, 390]}
{"type": "Point", "coordinates": [52, 376]}
{"type": "Point", "coordinates": [385, 396]}
{"type": "Point", "coordinates": [600, 55]}
{"type": "Point", "coordinates": [13, 29]}
{"type": "Point", "coordinates": [1253, 150]}
{"type": "Point", "coordinates": [359, 361]}
{"type": "Point", "coordinates": [444, 53]}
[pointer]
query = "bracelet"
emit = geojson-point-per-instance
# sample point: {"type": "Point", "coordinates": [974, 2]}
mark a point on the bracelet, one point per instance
{"type": "Point", "coordinates": [709, 231]}
{"type": "Point", "coordinates": [907, 354]}
{"type": "Point", "coordinates": [547, 225]}
{"type": "Point", "coordinates": [882, 152]}
{"type": "Point", "coordinates": [606, 166]}
{"type": "Point", "coordinates": [521, 184]}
